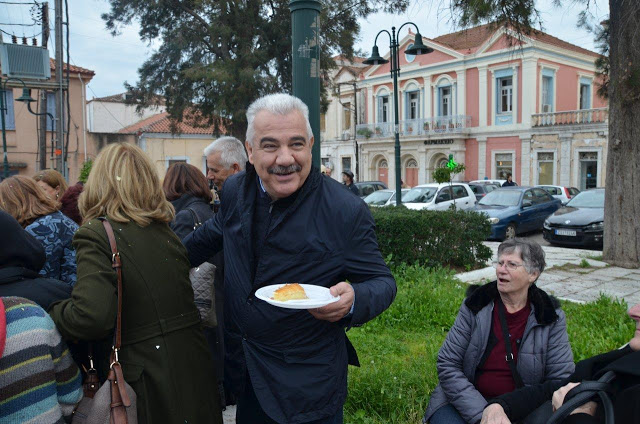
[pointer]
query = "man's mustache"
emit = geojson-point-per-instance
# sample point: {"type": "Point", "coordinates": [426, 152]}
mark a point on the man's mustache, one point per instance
{"type": "Point", "coordinates": [284, 170]}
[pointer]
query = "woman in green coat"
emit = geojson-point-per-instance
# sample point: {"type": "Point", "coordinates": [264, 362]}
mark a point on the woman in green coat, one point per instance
{"type": "Point", "coordinates": [164, 355]}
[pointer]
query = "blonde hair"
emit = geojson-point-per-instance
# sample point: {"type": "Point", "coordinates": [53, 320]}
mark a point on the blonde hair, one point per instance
{"type": "Point", "coordinates": [124, 186]}
{"type": "Point", "coordinates": [54, 179]}
{"type": "Point", "coordinates": [23, 199]}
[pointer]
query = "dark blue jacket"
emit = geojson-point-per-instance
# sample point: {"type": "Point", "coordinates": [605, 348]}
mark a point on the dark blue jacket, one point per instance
{"type": "Point", "coordinates": [297, 364]}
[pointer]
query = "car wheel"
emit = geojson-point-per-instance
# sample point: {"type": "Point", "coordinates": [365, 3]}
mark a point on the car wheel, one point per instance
{"type": "Point", "coordinates": [510, 232]}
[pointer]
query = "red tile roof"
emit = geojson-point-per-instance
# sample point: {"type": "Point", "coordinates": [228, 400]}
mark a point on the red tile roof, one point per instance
{"type": "Point", "coordinates": [72, 68]}
{"type": "Point", "coordinates": [121, 98]}
{"type": "Point", "coordinates": [161, 123]}
{"type": "Point", "coordinates": [473, 38]}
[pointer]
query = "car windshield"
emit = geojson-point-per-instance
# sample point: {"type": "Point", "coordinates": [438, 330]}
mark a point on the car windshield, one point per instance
{"type": "Point", "coordinates": [588, 199]}
{"type": "Point", "coordinates": [501, 198]}
{"type": "Point", "coordinates": [378, 198]}
{"type": "Point", "coordinates": [420, 195]}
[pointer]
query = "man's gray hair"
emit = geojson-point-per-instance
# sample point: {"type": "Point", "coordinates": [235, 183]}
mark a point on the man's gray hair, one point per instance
{"type": "Point", "coordinates": [231, 151]}
{"type": "Point", "coordinates": [531, 253]}
{"type": "Point", "coordinates": [277, 104]}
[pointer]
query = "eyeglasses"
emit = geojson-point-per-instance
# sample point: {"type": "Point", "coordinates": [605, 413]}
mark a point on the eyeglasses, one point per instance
{"type": "Point", "coordinates": [511, 266]}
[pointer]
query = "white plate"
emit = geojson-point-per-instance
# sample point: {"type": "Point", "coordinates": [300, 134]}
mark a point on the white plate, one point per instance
{"type": "Point", "coordinates": [318, 296]}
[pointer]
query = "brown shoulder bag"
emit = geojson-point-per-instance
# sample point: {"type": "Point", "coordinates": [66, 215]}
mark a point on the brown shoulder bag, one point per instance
{"type": "Point", "coordinates": [115, 401]}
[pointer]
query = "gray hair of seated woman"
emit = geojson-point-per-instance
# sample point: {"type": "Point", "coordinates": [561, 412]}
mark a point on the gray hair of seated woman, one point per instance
{"type": "Point", "coordinates": [531, 253]}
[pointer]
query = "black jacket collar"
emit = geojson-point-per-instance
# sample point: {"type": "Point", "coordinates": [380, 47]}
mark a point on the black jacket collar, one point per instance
{"type": "Point", "coordinates": [479, 296]}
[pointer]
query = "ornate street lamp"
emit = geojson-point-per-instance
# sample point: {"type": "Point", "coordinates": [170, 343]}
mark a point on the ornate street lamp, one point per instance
{"type": "Point", "coordinates": [417, 48]}
{"type": "Point", "coordinates": [25, 98]}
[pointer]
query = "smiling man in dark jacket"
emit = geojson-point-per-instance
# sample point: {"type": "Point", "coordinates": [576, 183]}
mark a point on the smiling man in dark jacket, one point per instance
{"type": "Point", "coordinates": [279, 223]}
{"type": "Point", "coordinates": [21, 259]}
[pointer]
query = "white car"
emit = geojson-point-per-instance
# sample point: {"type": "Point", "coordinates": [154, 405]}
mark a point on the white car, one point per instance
{"type": "Point", "coordinates": [564, 194]}
{"type": "Point", "coordinates": [383, 197]}
{"type": "Point", "coordinates": [440, 197]}
{"type": "Point", "coordinates": [499, 182]}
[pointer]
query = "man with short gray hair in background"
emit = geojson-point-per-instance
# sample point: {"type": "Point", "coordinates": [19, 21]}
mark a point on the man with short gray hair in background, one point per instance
{"type": "Point", "coordinates": [226, 156]}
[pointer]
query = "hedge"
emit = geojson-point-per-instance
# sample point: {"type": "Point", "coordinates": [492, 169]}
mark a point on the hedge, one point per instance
{"type": "Point", "coordinates": [432, 238]}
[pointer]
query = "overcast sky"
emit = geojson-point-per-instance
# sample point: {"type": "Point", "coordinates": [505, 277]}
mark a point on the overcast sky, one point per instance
{"type": "Point", "coordinates": [116, 59]}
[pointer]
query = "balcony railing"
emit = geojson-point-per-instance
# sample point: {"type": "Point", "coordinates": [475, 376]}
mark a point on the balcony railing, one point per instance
{"type": "Point", "coordinates": [416, 127]}
{"type": "Point", "coordinates": [571, 117]}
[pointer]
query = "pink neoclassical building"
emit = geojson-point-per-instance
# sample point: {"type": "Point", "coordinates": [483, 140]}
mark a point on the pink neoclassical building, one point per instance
{"type": "Point", "coordinates": [499, 105]}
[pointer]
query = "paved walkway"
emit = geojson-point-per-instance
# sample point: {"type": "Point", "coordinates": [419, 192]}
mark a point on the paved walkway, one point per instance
{"type": "Point", "coordinates": [567, 278]}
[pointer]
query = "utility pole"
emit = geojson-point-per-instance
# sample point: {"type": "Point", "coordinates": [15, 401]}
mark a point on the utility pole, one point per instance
{"type": "Point", "coordinates": [305, 37]}
{"type": "Point", "coordinates": [59, 122]}
{"type": "Point", "coordinates": [42, 142]}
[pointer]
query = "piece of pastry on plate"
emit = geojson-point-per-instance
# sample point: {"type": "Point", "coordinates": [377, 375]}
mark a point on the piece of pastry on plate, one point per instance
{"type": "Point", "coordinates": [289, 292]}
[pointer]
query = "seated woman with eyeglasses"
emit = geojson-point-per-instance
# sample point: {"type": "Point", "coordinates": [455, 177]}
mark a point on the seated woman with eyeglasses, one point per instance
{"type": "Point", "coordinates": [508, 334]}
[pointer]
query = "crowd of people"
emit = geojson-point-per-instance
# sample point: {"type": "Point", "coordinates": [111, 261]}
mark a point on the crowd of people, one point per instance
{"type": "Point", "coordinates": [187, 352]}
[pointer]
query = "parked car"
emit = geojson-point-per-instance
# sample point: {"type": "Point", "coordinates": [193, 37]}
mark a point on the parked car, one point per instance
{"type": "Point", "coordinates": [384, 197]}
{"type": "Point", "coordinates": [563, 193]}
{"type": "Point", "coordinates": [368, 187]}
{"type": "Point", "coordinates": [580, 222]}
{"type": "Point", "coordinates": [514, 210]}
{"type": "Point", "coordinates": [481, 190]}
{"type": "Point", "coordinates": [497, 182]}
{"type": "Point", "coordinates": [439, 196]}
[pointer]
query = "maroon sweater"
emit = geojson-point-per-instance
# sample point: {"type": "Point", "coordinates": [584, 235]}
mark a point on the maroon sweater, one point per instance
{"type": "Point", "coordinates": [494, 376]}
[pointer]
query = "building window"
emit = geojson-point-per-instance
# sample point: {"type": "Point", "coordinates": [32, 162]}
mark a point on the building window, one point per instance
{"type": "Point", "coordinates": [52, 109]}
{"type": "Point", "coordinates": [547, 94]}
{"type": "Point", "coordinates": [545, 168]}
{"type": "Point", "coordinates": [383, 109]}
{"type": "Point", "coordinates": [588, 170]}
{"type": "Point", "coordinates": [9, 117]}
{"type": "Point", "coordinates": [585, 94]}
{"type": "Point", "coordinates": [445, 101]}
{"type": "Point", "coordinates": [323, 122]}
{"type": "Point", "coordinates": [505, 95]}
{"type": "Point", "coordinates": [346, 116]}
{"type": "Point", "coordinates": [504, 165]}
{"type": "Point", "coordinates": [346, 163]}
{"type": "Point", "coordinates": [172, 161]}
{"type": "Point", "coordinates": [414, 102]}
{"type": "Point", "coordinates": [409, 57]}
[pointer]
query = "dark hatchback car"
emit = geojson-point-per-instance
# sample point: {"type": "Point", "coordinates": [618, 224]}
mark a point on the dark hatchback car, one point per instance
{"type": "Point", "coordinates": [481, 190]}
{"type": "Point", "coordinates": [514, 210]}
{"type": "Point", "coordinates": [368, 187]}
{"type": "Point", "coordinates": [580, 222]}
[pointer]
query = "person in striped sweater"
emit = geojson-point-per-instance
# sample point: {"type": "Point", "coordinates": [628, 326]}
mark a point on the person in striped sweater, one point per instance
{"type": "Point", "coordinates": [39, 382]}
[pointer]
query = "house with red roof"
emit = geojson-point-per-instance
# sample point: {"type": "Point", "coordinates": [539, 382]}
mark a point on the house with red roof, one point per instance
{"type": "Point", "coordinates": [499, 102]}
{"type": "Point", "coordinates": [23, 129]}
{"type": "Point", "coordinates": [167, 141]}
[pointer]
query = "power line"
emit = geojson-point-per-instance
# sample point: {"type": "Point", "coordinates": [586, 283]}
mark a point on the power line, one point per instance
{"type": "Point", "coordinates": [4, 23]}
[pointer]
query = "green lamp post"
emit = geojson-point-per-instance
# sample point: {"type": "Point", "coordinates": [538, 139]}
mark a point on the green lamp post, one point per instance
{"type": "Point", "coordinates": [417, 48]}
{"type": "Point", "coordinates": [305, 37]}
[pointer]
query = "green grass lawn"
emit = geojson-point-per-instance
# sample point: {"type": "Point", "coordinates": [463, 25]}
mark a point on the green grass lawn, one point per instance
{"type": "Point", "coordinates": [398, 349]}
